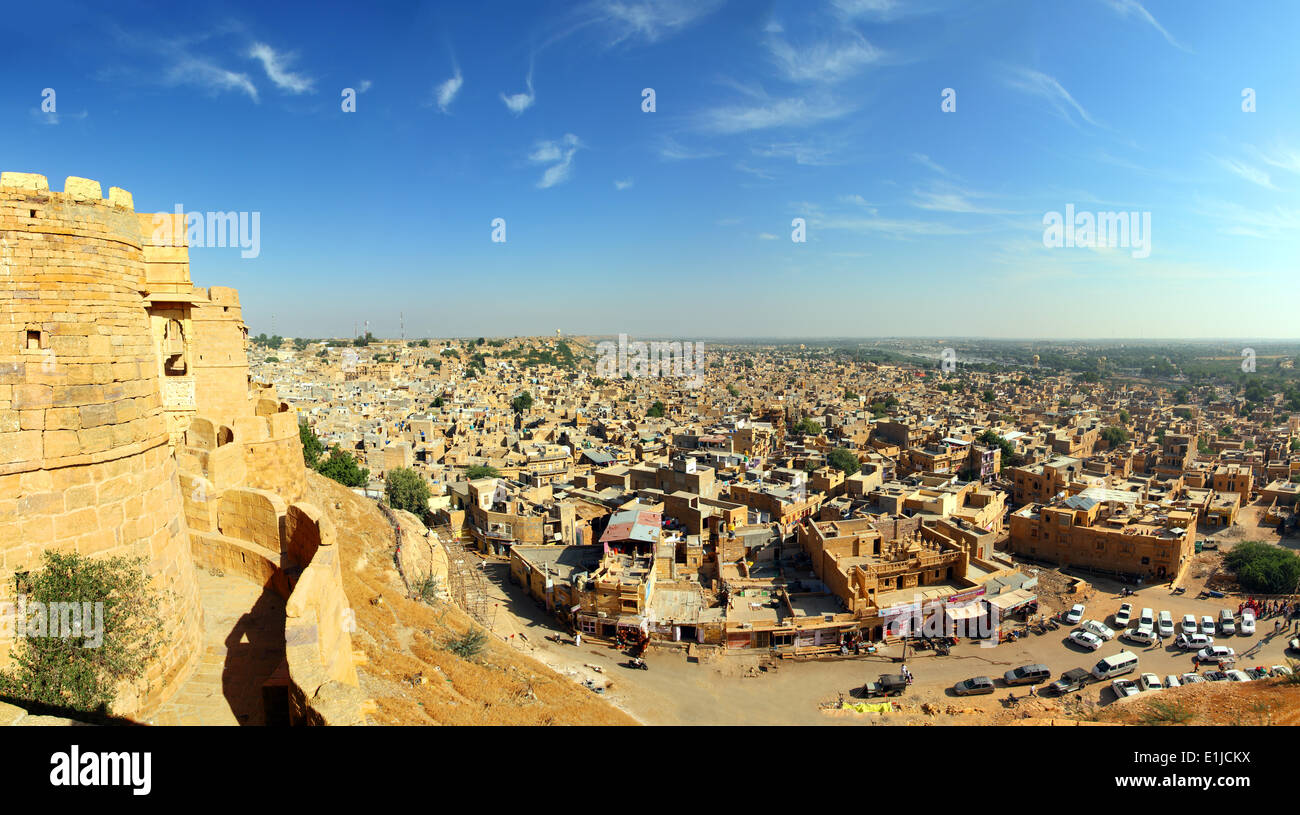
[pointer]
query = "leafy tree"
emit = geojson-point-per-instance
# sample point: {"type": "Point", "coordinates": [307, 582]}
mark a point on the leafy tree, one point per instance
{"type": "Point", "coordinates": [1263, 568]}
{"type": "Point", "coordinates": [731, 389]}
{"type": "Point", "coordinates": [1123, 416]}
{"type": "Point", "coordinates": [300, 343]}
{"type": "Point", "coordinates": [364, 340]}
{"type": "Point", "coordinates": [988, 396]}
{"type": "Point", "coordinates": [311, 444]}
{"type": "Point", "coordinates": [1115, 436]}
{"type": "Point", "coordinates": [272, 359]}
{"type": "Point", "coordinates": [450, 352]}
{"type": "Point", "coordinates": [1024, 380]}
{"type": "Point", "coordinates": [1009, 456]}
{"type": "Point", "coordinates": [422, 344]}
{"type": "Point", "coordinates": [850, 396]}
{"type": "Point", "coordinates": [437, 401]}
{"type": "Point", "coordinates": [844, 460]}
{"type": "Point", "coordinates": [343, 468]}
{"type": "Point", "coordinates": [522, 403]}
{"type": "Point", "coordinates": [1181, 395]}
{"type": "Point", "coordinates": [656, 410]}
{"type": "Point", "coordinates": [83, 670]}
{"type": "Point", "coordinates": [1295, 445]}
{"type": "Point", "coordinates": [807, 427]}
{"type": "Point", "coordinates": [482, 471]}
{"type": "Point", "coordinates": [406, 489]}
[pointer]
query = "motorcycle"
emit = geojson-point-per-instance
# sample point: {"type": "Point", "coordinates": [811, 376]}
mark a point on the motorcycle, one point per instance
{"type": "Point", "coordinates": [636, 662]}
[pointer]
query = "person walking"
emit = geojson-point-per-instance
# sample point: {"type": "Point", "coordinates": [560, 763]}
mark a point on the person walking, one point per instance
{"type": "Point", "coordinates": [577, 639]}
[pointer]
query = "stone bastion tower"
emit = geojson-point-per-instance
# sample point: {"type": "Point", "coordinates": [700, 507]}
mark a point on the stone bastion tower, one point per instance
{"type": "Point", "coordinates": [85, 460]}
{"type": "Point", "coordinates": [129, 426]}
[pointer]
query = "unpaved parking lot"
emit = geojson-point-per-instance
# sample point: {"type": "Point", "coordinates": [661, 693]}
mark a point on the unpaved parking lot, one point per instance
{"type": "Point", "coordinates": [731, 689]}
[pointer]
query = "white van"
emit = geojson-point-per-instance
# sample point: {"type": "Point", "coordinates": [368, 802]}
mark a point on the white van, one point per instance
{"type": "Point", "coordinates": [1117, 665]}
{"type": "Point", "coordinates": [1147, 619]}
{"type": "Point", "coordinates": [1165, 624]}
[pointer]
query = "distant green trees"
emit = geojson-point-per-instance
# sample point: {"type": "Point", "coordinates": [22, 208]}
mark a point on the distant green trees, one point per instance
{"type": "Point", "coordinates": [656, 410]}
{"type": "Point", "coordinates": [1010, 458]}
{"type": "Point", "coordinates": [807, 427]}
{"type": "Point", "coordinates": [1114, 436]}
{"type": "Point", "coordinates": [407, 490]}
{"type": "Point", "coordinates": [1263, 568]}
{"type": "Point", "coordinates": [263, 341]}
{"type": "Point", "coordinates": [311, 444]}
{"type": "Point", "coordinates": [482, 471]}
{"type": "Point", "coordinates": [340, 466]}
{"type": "Point", "coordinates": [522, 403]}
{"type": "Point", "coordinates": [844, 460]}
{"type": "Point", "coordinates": [364, 340]}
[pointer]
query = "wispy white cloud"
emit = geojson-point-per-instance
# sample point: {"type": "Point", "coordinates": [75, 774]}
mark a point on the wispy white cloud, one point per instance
{"type": "Point", "coordinates": [797, 112]}
{"type": "Point", "coordinates": [519, 102]}
{"type": "Point", "coordinates": [447, 90]}
{"type": "Point", "coordinates": [277, 70]}
{"type": "Point", "coordinates": [1040, 84]}
{"type": "Point", "coordinates": [766, 236]}
{"type": "Point", "coordinates": [951, 199]}
{"type": "Point", "coordinates": [671, 150]}
{"type": "Point", "coordinates": [802, 154]}
{"type": "Point", "coordinates": [861, 8]}
{"type": "Point", "coordinates": [1235, 219]}
{"type": "Point", "coordinates": [1132, 8]}
{"type": "Point", "coordinates": [757, 172]}
{"type": "Point", "coordinates": [622, 183]}
{"type": "Point", "coordinates": [208, 76]}
{"type": "Point", "coordinates": [929, 163]}
{"type": "Point", "coordinates": [823, 61]}
{"type": "Point", "coordinates": [1283, 158]}
{"type": "Point", "coordinates": [559, 155]}
{"type": "Point", "coordinates": [645, 21]}
{"type": "Point", "coordinates": [858, 201]}
{"type": "Point", "coordinates": [364, 85]}
{"type": "Point", "coordinates": [1249, 172]}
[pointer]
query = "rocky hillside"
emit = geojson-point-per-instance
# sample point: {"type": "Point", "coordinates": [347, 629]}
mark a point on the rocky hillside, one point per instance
{"type": "Point", "coordinates": [410, 674]}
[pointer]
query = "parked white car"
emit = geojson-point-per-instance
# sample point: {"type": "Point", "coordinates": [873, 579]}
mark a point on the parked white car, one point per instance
{"type": "Point", "coordinates": [1237, 676]}
{"type": "Point", "coordinates": [1075, 614]}
{"type": "Point", "coordinates": [1124, 688]}
{"type": "Point", "coordinates": [1147, 619]}
{"type": "Point", "coordinates": [1207, 625]}
{"type": "Point", "coordinates": [1165, 624]}
{"type": "Point", "coordinates": [1216, 653]}
{"type": "Point", "coordinates": [1171, 681]}
{"type": "Point", "coordinates": [1193, 642]}
{"type": "Point", "coordinates": [1124, 615]}
{"type": "Point", "coordinates": [1191, 678]}
{"type": "Point", "coordinates": [1247, 623]}
{"type": "Point", "coordinates": [1150, 682]}
{"type": "Point", "coordinates": [1100, 629]}
{"type": "Point", "coordinates": [1189, 624]}
{"type": "Point", "coordinates": [1140, 635]}
{"type": "Point", "coordinates": [1086, 639]}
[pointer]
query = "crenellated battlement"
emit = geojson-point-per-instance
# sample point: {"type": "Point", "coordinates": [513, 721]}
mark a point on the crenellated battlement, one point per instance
{"type": "Point", "coordinates": [75, 189]}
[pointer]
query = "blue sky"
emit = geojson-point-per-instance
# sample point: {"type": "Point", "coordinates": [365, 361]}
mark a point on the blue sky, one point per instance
{"type": "Point", "coordinates": [678, 222]}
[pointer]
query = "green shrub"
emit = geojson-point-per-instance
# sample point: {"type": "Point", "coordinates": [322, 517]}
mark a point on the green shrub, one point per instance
{"type": "Point", "coordinates": [82, 671]}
